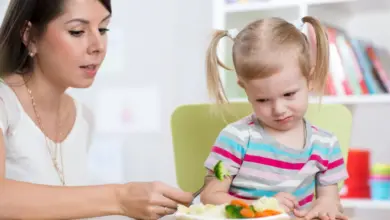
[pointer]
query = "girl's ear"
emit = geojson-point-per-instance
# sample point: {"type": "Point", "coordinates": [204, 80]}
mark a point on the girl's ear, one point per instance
{"type": "Point", "coordinates": [310, 79]}
{"type": "Point", "coordinates": [240, 83]}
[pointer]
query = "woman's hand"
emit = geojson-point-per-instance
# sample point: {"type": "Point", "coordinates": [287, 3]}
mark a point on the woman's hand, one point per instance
{"type": "Point", "coordinates": [150, 200]}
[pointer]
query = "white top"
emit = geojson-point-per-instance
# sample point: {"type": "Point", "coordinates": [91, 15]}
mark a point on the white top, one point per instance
{"type": "Point", "coordinates": [27, 156]}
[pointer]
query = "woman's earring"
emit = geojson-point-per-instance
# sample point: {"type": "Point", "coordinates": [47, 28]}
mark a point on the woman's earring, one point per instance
{"type": "Point", "coordinates": [31, 54]}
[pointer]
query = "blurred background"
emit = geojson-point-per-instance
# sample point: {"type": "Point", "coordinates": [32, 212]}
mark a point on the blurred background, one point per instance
{"type": "Point", "coordinates": [155, 63]}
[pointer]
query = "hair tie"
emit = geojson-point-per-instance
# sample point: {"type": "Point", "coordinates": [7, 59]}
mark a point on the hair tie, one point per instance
{"type": "Point", "coordinates": [232, 33]}
{"type": "Point", "coordinates": [298, 24]}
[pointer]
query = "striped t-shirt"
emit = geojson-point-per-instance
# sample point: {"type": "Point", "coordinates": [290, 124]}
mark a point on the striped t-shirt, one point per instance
{"type": "Point", "coordinates": [263, 167]}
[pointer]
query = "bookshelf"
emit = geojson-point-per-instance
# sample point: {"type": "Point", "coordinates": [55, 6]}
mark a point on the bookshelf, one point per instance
{"type": "Point", "coordinates": [235, 14]}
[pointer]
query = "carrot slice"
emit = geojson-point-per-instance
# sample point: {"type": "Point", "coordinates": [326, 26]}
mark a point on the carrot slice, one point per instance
{"type": "Point", "coordinates": [269, 212]}
{"type": "Point", "coordinates": [259, 215]}
{"type": "Point", "coordinates": [247, 213]}
{"type": "Point", "coordinates": [238, 202]}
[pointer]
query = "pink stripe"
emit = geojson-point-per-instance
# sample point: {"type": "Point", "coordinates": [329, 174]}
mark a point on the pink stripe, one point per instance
{"type": "Point", "coordinates": [306, 200]}
{"type": "Point", "coordinates": [336, 163]}
{"type": "Point", "coordinates": [282, 164]}
{"type": "Point", "coordinates": [319, 160]}
{"type": "Point", "coordinates": [241, 197]}
{"type": "Point", "coordinates": [251, 123]}
{"type": "Point", "coordinates": [260, 173]}
{"type": "Point", "coordinates": [336, 177]}
{"type": "Point", "coordinates": [314, 127]}
{"type": "Point", "coordinates": [226, 154]}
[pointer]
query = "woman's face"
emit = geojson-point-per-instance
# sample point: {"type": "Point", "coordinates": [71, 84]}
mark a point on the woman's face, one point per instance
{"type": "Point", "coordinates": [71, 50]}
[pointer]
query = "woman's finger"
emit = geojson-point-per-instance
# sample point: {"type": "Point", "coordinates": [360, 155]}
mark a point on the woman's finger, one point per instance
{"type": "Point", "coordinates": [165, 202]}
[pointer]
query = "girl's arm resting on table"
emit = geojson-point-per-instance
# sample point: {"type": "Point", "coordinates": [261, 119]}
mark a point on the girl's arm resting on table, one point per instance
{"type": "Point", "coordinates": [329, 192]}
{"type": "Point", "coordinates": [217, 191]}
{"type": "Point", "coordinates": [19, 200]}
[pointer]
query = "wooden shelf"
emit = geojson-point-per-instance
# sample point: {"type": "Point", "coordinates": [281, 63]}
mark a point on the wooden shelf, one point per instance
{"type": "Point", "coordinates": [275, 4]}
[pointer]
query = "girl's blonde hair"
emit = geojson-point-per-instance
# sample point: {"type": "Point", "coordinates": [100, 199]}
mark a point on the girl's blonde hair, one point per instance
{"type": "Point", "coordinates": [257, 52]}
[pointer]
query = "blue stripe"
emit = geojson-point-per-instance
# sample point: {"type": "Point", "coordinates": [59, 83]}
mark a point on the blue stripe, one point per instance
{"type": "Point", "coordinates": [269, 193]}
{"type": "Point", "coordinates": [231, 144]}
{"type": "Point", "coordinates": [256, 192]}
{"type": "Point", "coordinates": [235, 147]}
{"type": "Point", "coordinates": [303, 191]}
{"type": "Point", "coordinates": [274, 150]}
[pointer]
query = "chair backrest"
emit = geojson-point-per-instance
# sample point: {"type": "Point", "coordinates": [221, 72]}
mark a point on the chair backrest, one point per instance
{"type": "Point", "coordinates": [195, 129]}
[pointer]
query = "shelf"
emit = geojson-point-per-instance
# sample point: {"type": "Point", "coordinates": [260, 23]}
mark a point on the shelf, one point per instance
{"type": "Point", "coordinates": [275, 4]}
{"type": "Point", "coordinates": [365, 204]}
{"type": "Point", "coordinates": [346, 100]}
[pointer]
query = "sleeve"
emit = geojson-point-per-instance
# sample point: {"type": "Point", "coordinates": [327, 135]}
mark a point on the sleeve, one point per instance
{"type": "Point", "coordinates": [229, 147]}
{"type": "Point", "coordinates": [3, 117]}
{"type": "Point", "coordinates": [335, 171]}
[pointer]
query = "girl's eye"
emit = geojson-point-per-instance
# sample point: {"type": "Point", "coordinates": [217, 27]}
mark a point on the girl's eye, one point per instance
{"type": "Point", "coordinates": [289, 94]}
{"type": "Point", "coordinates": [76, 33]}
{"type": "Point", "coordinates": [262, 100]}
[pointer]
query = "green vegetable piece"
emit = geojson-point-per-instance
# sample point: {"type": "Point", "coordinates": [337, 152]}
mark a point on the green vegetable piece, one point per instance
{"type": "Point", "coordinates": [252, 208]}
{"type": "Point", "coordinates": [233, 211]}
{"type": "Point", "coordinates": [220, 171]}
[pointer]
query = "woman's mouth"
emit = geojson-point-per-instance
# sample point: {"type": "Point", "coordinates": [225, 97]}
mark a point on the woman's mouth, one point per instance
{"type": "Point", "coordinates": [90, 70]}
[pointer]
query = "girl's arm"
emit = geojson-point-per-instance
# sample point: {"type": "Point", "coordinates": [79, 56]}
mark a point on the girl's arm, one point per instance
{"type": "Point", "coordinates": [19, 200]}
{"type": "Point", "coordinates": [217, 191]}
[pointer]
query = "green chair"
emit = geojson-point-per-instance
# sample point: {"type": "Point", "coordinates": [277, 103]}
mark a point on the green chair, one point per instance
{"type": "Point", "coordinates": [196, 127]}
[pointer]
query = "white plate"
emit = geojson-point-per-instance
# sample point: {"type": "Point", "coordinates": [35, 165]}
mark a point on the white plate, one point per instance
{"type": "Point", "coordinates": [180, 216]}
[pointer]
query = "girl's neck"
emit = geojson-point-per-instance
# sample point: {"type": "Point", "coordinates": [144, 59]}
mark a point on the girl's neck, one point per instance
{"type": "Point", "coordinates": [46, 92]}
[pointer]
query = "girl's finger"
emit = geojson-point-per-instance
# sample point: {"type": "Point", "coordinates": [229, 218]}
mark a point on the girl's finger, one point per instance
{"type": "Point", "coordinates": [323, 216]}
{"type": "Point", "coordinates": [340, 216]}
{"type": "Point", "coordinates": [312, 214]}
{"type": "Point", "coordinates": [332, 216]}
{"type": "Point", "coordinates": [285, 208]}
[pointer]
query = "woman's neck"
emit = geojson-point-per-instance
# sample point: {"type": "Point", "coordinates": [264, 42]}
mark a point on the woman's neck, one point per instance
{"type": "Point", "coordinates": [46, 93]}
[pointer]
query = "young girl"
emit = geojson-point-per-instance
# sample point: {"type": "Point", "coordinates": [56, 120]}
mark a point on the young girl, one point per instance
{"type": "Point", "coordinates": [275, 152]}
{"type": "Point", "coordinates": [46, 47]}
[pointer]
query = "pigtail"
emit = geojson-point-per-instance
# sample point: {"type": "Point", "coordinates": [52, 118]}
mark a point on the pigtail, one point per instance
{"type": "Point", "coordinates": [319, 75]}
{"type": "Point", "coordinates": [214, 83]}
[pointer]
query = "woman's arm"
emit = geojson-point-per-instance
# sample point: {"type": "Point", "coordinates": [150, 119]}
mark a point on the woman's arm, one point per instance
{"type": "Point", "coordinates": [19, 200]}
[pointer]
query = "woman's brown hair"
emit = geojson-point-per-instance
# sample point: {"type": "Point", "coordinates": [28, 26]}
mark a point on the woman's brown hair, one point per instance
{"type": "Point", "coordinates": [14, 55]}
{"type": "Point", "coordinates": [258, 48]}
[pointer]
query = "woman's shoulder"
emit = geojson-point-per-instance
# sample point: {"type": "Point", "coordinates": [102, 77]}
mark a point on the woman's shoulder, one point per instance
{"type": "Point", "coordinates": [83, 111]}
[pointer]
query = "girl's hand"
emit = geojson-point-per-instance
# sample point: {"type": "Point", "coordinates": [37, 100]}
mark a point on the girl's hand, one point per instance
{"type": "Point", "coordinates": [323, 209]}
{"type": "Point", "coordinates": [287, 201]}
{"type": "Point", "coordinates": [150, 200]}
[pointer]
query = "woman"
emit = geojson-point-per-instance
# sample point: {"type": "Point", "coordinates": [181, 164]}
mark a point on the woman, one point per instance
{"type": "Point", "coordinates": [47, 46]}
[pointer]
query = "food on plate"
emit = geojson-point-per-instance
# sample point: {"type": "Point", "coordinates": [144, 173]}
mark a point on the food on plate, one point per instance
{"type": "Point", "coordinates": [220, 171]}
{"type": "Point", "coordinates": [236, 209]}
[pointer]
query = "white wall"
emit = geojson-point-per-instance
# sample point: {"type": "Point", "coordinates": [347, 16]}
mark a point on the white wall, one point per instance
{"type": "Point", "coordinates": [164, 44]}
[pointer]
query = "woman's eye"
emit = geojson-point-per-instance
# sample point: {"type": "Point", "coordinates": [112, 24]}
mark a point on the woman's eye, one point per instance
{"type": "Point", "coordinates": [103, 31]}
{"type": "Point", "coordinates": [76, 33]}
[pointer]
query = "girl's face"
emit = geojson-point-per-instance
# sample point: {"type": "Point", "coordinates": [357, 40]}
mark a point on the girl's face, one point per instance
{"type": "Point", "coordinates": [71, 50]}
{"type": "Point", "coordinates": [281, 100]}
